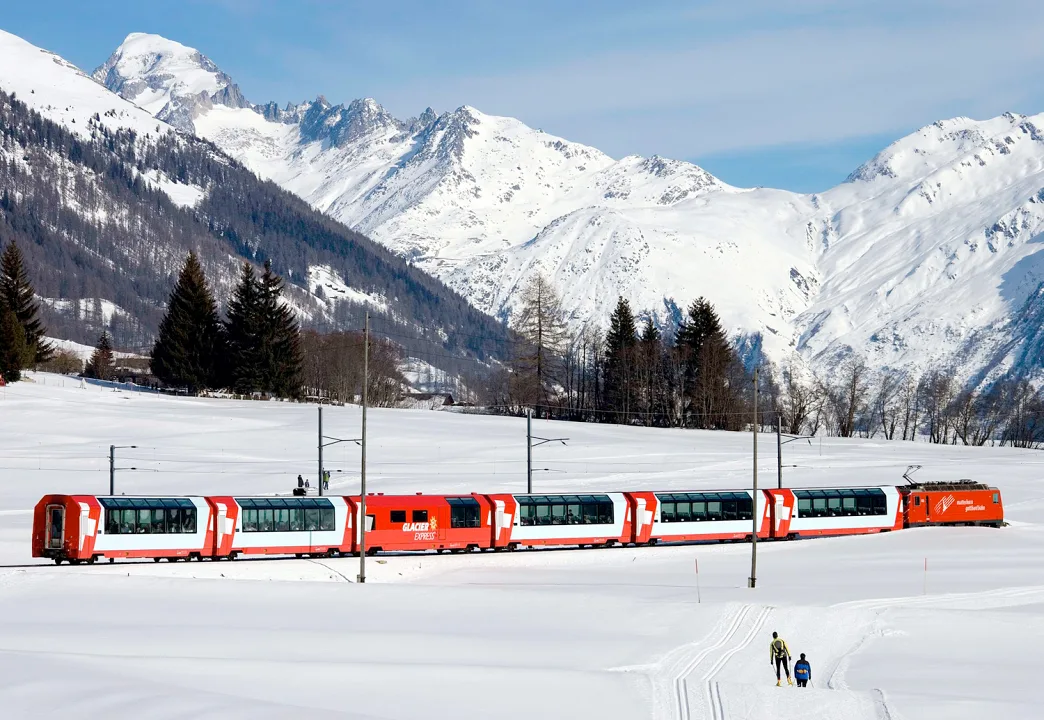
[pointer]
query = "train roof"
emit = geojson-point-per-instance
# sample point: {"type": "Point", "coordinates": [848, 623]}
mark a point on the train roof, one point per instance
{"type": "Point", "coordinates": [948, 485]}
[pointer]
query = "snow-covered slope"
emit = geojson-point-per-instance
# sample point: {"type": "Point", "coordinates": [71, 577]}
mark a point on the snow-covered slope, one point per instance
{"type": "Point", "coordinates": [82, 195]}
{"type": "Point", "coordinates": [925, 256]}
{"type": "Point", "coordinates": [482, 201]}
{"type": "Point", "coordinates": [62, 92]}
{"type": "Point", "coordinates": [930, 250]}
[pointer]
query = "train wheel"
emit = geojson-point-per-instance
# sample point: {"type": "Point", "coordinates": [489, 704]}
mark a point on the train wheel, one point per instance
{"type": "Point", "coordinates": [156, 559]}
{"type": "Point", "coordinates": [57, 561]}
{"type": "Point", "coordinates": [92, 559]}
{"type": "Point", "coordinates": [74, 562]}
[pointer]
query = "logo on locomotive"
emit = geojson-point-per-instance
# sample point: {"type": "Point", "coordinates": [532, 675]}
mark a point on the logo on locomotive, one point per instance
{"type": "Point", "coordinates": [944, 504]}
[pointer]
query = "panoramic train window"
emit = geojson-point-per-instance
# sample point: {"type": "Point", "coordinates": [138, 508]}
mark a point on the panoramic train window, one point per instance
{"type": "Point", "coordinates": [839, 503]}
{"type": "Point", "coordinates": [287, 514]}
{"type": "Point", "coordinates": [700, 507]}
{"type": "Point", "coordinates": [398, 516]}
{"type": "Point", "coordinates": [565, 510]}
{"type": "Point", "coordinates": [148, 516]}
{"type": "Point", "coordinates": [464, 512]}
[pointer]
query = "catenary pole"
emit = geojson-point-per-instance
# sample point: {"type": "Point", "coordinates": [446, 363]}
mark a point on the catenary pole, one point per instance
{"type": "Point", "coordinates": [753, 579]}
{"type": "Point", "coordinates": [362, 469]}
{"type": "Point", "coordinates": [320, 449]}
{"type": "Point", "coordinates": [112, 465]}
{"type": "Point", "coordinates": [779, 452]}
{"type": "Point", "coordinates": [529, 450]}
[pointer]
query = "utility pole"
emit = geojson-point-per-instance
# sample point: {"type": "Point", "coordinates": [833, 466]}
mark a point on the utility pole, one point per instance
{"type": "Point", "coordinates": [331, 441]}
{"type": "Point", "coordinates": [529, 450]}
{"type": "Point", "coordinates": [780, 442]}
{"type": "Point", "coordinates": [779, 451]}
{"type": "Point", "coordinates": [362, 470]}
{"type": "Point", "coordinates": [753, 579]}
{"type": "Point", "coordinates": [112, 465]}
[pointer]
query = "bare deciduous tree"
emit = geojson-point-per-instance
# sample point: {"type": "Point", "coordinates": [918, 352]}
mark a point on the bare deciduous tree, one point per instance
{"type": "Point", "coordinates": [541, 323]}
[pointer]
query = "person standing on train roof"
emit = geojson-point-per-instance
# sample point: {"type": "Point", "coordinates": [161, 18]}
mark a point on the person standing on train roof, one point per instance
{"type": "Point", "coordinates": [779, 654]}
{"type": "Point", "coordinates": [802, 671]}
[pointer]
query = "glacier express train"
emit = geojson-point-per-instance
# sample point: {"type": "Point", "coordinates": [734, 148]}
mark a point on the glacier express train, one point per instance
{"type": "Point", "coordinates": [86, 528]}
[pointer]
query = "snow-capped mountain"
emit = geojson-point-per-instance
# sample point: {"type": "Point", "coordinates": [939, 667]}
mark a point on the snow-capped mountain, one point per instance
{"type": "Point", "coordinates": [926, 255]}
{"type": "Point", "coordinates": [106, 200]}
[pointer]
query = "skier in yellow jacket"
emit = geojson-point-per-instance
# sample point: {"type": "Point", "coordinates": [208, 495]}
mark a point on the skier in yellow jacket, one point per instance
{"type": "Point", "coordinates": [779, 654]}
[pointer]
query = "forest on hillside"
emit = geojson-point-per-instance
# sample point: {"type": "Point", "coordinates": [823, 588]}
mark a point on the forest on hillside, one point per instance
{"type": "Point", "coordinates": [106, 243]}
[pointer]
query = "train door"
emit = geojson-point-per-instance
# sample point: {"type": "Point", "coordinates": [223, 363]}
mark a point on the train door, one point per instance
{"type": "Point", "coordinates": [780, 513]}
{"type": "Point", "coordinates": [220, 516]}
{"type": "Point", "coordinates": [55, 536]}
{"type": "Point", "coordinates": [639, 519]}
{"type": "Point", "coordinates": [498, 518]}
{"type": "Point", "coordinates": [87, 529]}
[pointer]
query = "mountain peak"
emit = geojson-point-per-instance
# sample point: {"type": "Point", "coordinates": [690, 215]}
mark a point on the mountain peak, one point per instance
{"type": "Point", "coordinates": [172, 81]}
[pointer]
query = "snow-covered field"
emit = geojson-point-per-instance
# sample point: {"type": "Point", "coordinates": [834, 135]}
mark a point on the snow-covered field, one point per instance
{"type": "Point", "coordinates": [619, 633]}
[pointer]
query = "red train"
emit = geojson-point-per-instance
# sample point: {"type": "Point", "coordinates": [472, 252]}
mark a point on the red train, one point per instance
{"type": "Point", "coordinates": [84, 528]}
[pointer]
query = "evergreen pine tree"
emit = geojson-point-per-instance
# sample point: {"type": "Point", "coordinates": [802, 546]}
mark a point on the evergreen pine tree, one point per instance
{"type": "Point", "coordinates": [188, 347]}
{"type": "Point", "coordinates": [620, 342]}
{"type": "Point", "coordinates": [14, 352]}
{"type": "Point", "coordinates": [102, 364]}
{"type": "Point", "coordinates": [706, 354]}
{"type": "Point", "coordinates": [243, 334]}
{"type": "Point", "coordinates": [19, 297]}
{"type": "Point", "coordinates": [282, 355]}
{"type": "Point", "coordinates": [652, 373]}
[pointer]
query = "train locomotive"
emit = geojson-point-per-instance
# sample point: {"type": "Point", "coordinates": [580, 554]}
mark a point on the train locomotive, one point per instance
{"type": "Point", "coordinates": [87, 528]}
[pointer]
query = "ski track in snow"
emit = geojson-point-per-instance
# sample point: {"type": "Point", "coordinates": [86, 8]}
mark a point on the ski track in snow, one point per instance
{"type": "Point", "coordinates": [713, 689]}
{"type": "Point", "coordinates": [672, 699]}
{"type": "Point", "coordinates": [737, 628]}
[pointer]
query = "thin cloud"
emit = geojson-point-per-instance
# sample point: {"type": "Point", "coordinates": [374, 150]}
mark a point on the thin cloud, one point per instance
{"type": "Point", "coordinates": [796, 84]}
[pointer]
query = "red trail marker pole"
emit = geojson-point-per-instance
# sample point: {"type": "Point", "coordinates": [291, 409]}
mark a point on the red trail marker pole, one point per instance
{"type": "Point", "coordinates": [698, 599]}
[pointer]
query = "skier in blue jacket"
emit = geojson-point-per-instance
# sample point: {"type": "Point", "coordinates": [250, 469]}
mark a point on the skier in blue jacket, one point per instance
{"type": "Point", "coordinates": [802, 671]}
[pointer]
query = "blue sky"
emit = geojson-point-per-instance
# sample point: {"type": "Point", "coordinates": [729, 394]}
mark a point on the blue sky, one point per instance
{"type": "Point", "coordinates": [793, 94]}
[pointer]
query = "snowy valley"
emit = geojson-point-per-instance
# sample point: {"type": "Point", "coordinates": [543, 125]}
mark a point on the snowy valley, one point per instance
{"type": "Point", "coordinates": [925, 624]}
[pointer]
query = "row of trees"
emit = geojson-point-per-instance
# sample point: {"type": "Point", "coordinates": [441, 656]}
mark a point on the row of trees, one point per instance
{"type": "Point", "coordinates": [333, 368]}
{"type": "Point", "coordinates": [860, 402]}
{"type": "Point", "coordinates": [22, 342]}
{"type": "Point", "coordinates": [256, 348]}
{"type": "Point", "coordinates": [626, 374]}
{"type": "Point", "coordinates": [259, 348]}
{"type": "Point", "coordinates": [631, 373]}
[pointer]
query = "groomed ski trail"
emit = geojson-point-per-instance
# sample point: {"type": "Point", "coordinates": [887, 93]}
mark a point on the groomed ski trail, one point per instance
{"type": "Point", "coordinates": [744, 695]}
{"type": "Point", "coordinates": [672, 699]}
{"type": "Point", "coordinates": [713, 690]}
